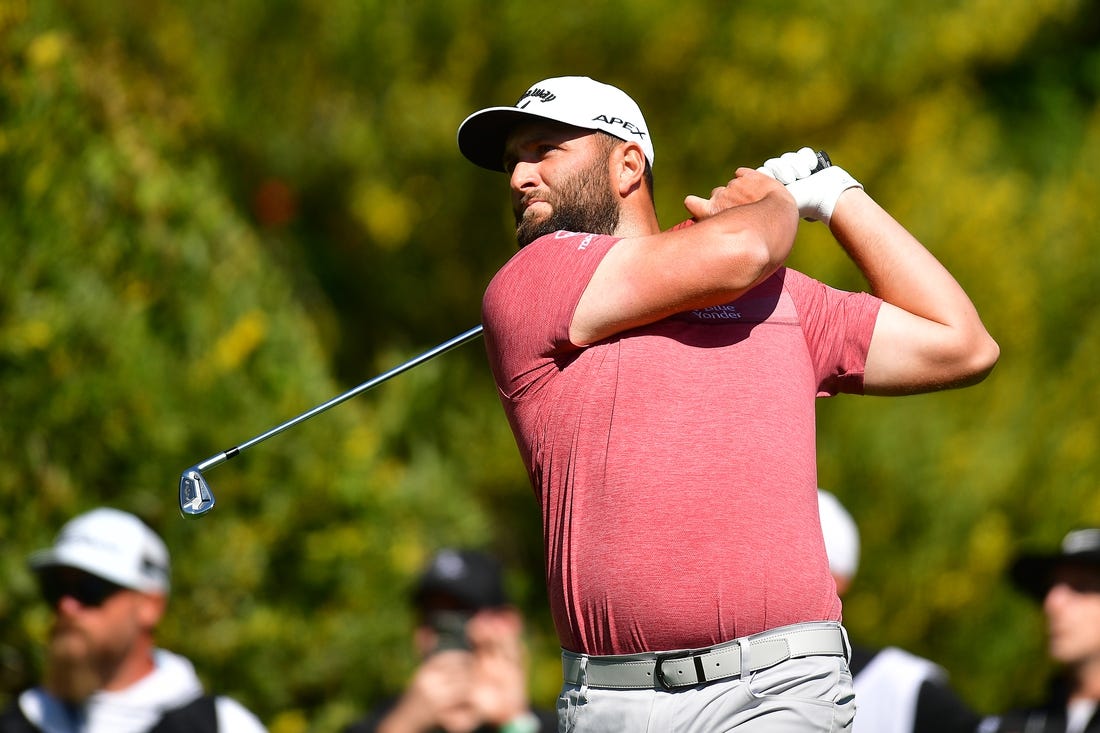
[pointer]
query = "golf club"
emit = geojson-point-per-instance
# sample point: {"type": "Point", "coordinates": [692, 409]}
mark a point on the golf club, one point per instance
{"type": "Point", "coordinates": [197, 499]}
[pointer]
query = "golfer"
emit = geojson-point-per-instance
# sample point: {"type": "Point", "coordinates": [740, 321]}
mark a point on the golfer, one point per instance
{"type": "Point", "coordinates": [661, 387]}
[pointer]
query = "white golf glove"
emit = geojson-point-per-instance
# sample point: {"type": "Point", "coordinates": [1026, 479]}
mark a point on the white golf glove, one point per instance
{"type": "Point", "coordinates": [815, 193]}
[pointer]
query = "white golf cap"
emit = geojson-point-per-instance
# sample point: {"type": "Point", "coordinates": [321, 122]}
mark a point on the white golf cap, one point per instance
{"type": "Point", "coordinates": [112, 545]}
{"type": "Point", "coordinates": [841, 535]}
{"type": "Point", "coordinates": [574, 100]}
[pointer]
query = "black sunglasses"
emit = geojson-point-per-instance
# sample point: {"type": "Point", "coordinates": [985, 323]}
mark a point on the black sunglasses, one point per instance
{"type": "Point", "coordinates": [86, 589]}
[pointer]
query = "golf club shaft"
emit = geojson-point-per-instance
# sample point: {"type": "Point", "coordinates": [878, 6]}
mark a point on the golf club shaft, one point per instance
{"type": "Point", "coordinates": [220, 458]}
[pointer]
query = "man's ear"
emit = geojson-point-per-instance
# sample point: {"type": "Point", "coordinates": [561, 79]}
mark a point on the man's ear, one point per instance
{"type": "Point", "coordinates": [151, 607]}
{"type": "Point", "coordinates": [629, 165]}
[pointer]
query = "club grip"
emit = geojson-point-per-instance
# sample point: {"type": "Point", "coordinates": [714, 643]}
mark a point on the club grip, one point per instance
{"type": "Point", "coordinates": [823, 162]}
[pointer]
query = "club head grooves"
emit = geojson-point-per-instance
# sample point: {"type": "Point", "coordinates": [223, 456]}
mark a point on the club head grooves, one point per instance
{"type": "Point", "coordinates": [196, 498]}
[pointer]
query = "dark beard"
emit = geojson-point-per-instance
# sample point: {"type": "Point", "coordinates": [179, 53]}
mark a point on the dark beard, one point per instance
{"type": "Point", "coordinates": [585, 204]}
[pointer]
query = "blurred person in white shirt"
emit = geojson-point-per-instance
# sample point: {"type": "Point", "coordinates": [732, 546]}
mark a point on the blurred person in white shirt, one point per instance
{"type": "Point", "coordinates": [106, 579]}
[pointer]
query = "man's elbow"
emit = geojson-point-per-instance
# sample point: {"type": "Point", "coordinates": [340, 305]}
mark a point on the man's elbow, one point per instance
{"type": "Point", "coordinates": [977, 359]}
{"type": "Point", "coordinates": [755, 258]}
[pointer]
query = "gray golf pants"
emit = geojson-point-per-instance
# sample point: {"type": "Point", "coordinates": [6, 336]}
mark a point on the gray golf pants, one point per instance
{"type": "Point", "coordinates": [797, 695]}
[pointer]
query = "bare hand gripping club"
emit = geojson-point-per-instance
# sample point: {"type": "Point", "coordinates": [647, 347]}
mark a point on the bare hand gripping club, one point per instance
{"type": "Point", "coordinates": [195, 496]}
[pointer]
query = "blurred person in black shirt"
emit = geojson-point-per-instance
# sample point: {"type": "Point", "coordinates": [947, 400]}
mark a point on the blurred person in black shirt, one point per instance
{"type": "Point", "coordinates": [1067, 584]}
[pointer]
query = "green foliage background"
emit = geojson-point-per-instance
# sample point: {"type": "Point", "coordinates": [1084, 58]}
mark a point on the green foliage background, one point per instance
{"type": "Point", "coordinates": [214, 216]}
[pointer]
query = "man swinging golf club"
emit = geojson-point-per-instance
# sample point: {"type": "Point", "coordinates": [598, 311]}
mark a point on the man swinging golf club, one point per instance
{"type": "Point", "coordinates": [661, 389]}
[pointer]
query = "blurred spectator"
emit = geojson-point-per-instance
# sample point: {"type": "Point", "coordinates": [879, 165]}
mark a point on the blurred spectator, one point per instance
{"type": "Point", "coordinates": [1067, 584]}
{"type": "Point", "coordinates": [473, 673]}
{"type": "Point", "coordinates": [106, 579]}
{"type": "Point", "coordinates": [896, 691]}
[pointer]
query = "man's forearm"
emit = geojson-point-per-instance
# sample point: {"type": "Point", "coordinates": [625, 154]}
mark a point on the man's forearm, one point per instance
{"type": "Point", "coordinates": [946, 344]}
{"type": "Point", "coordinates": [899, 269]}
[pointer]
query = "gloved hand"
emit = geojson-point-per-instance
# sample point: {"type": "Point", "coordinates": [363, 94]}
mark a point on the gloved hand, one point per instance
{"type": "Point", "coordinates": [815, 193]}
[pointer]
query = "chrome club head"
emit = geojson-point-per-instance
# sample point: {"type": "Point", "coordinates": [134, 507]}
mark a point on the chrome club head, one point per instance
{"type": "Point", "coordinates": [196, 498]}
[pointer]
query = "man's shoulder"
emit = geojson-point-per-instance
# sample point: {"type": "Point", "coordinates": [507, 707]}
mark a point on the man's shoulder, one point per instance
{"type": "Point", "coordinates": [561, 243]}
{"type": "Point", "coordinates": [197, 716]}
{"type": "Point", "coordinates": [209, 713]}
{"type": "Point", "coordinates": [12, 719]}
{"type": "Point", "coordinates": [233, 716]}
{"type": "Point", "coordinates": [563, 235]}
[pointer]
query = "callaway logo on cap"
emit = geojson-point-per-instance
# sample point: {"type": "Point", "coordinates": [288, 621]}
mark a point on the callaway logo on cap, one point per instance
{"type": "Point", "coordinates": [574, 100]}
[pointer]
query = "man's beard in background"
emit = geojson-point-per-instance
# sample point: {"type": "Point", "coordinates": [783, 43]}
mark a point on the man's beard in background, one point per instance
{"type": "Point", "coordinates": [73, 671]}
{"type": "Point", "coordinates": [584, 203]}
